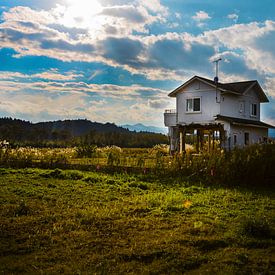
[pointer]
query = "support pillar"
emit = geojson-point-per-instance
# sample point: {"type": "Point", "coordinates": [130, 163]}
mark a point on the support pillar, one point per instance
{"type": "Point", "coordinates": [201, 140]}
{"type": "Point", "coordinates": [180, 141]}
{"type": "Point", "coordinates": [213, 140]}
{"type": "Point", "coordinates": [183, 140]}
{"type": "Point", "coordinates": [198, 141]}
{"type": "Point", "coordinates": [209, 141]}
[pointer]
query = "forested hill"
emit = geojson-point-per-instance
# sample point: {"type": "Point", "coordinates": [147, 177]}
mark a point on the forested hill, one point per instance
{"type": "Point", "coordinates": [73, 132]}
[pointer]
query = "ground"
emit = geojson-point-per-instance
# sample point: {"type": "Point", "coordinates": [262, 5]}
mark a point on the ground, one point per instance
{"type": "Point", "coordinates": [73, 222]}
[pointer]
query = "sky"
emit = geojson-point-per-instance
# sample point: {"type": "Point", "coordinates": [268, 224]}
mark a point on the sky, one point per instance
{"type": "Point", "coordinates": [117, 60]}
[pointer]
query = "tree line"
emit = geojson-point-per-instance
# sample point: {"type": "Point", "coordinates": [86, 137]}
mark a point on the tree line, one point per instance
{"type": "Point", "coordinates": [73, 133]}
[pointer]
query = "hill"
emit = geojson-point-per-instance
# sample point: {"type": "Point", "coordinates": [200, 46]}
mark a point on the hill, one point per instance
{"type": "Point", "coordinates": [143, 128]}
{"type": "Point", "coordinates": [73, 132]}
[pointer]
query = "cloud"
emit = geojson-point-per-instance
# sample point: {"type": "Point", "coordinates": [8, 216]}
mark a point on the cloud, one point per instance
{"type": "Point", "coordinates": [123, 51]}
{"type": "Point", "coordinates": [201, 16]}
{"type": "Point", "coordinates": [249, 39]}
{"type": "Point", "coordinates": [66, 46]}
{"type": "Point", "coordinates": [105, 103]}
{"type": "Point", "coordinates": [270, 86]}
{"type": "Point", "coordinates": [178, 15]}
{"type": "Point", "coordinates": [52, 74]}
{"type": "Point", "coordinates": [130, 13]}
{"type": "Point", "coordinates": [178, 55]}
{"type": "Point", "coordinates": [247, 49]}
{"type": "Point", "coordinates": [158, 103]}
{"type": "Point", "coordinates": [233, 16]}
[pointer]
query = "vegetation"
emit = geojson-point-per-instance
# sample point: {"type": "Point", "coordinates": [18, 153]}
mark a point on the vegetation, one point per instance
{"type": "Point", "coordinates": [75, 222]}
{"type": "Point", "coordinates": [251, 165]}
{"type": "Point", "coordinates": [112, 210]}
{"type": "Point", "coordinates": [69, 133]}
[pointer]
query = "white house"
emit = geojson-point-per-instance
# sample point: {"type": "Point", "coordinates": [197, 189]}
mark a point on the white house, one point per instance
{"type": "Point", "coordinates": [209, 112]}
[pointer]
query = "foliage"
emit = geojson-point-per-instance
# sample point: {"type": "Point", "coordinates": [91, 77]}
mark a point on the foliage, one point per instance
{"type": "Point", "coordinates": [250, 165]}
{"type": "Point", "coordinates": [70, 133]}
{"type": "Point", "coordinates": [84, 150]}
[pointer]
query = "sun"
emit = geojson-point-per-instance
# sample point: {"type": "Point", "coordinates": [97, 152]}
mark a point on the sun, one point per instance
{"type": "Point", "coordinates": [83, 7]}
{"type": "Point", "coordinates": [82, 13]}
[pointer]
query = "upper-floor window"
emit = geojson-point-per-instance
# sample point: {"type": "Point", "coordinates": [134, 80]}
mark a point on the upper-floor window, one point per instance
{"type": "Point", "coordinates": [242, 106]}
{"type": "Point", "coordinates": [193, 104]}
{"type": "Point", "coordinates": [253, 109]}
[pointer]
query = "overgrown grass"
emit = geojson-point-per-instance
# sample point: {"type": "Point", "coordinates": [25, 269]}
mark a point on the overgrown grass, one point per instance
{"type": "Point", "coordinates": [77, 222]}
{"type": "Point", "coordinates": [250, 165]}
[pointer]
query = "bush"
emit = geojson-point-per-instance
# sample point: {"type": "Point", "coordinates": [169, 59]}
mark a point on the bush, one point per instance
{"type": "Point", "coordinates": [85, 150]}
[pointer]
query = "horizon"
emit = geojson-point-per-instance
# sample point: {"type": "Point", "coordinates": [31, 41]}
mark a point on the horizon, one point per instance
{"type": "Point", "coordinates": [65, 119]}
{"type": "Point", "coordinates": [116, 61]}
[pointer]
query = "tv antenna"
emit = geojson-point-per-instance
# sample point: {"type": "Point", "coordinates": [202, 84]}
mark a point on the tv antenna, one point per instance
{"type": "Point", "coordinates": [216, 78]}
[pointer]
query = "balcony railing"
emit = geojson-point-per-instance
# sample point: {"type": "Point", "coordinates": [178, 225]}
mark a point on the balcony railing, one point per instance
{"type": "Point", "coordinates": [170, 111]}
{"type": "Point", "coordinates": [170, 117]}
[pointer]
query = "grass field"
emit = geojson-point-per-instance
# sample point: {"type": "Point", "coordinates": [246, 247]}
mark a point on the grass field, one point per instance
{"type": "Point", "coordinates": [72, 222]}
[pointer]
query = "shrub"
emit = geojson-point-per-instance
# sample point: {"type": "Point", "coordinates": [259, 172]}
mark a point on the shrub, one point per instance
{"type": "Point", "coordinates": [85, 150]}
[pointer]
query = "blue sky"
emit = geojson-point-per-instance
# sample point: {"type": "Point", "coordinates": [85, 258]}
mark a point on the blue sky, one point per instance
{"type": "Point", "coordinates": [117, 60]}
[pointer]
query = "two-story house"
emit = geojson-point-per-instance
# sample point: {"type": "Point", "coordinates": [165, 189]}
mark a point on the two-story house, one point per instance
{"type": "Point", "coordinates": [214, 113]}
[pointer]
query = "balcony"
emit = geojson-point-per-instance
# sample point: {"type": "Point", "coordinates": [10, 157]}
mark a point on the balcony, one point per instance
{"type": "Point", "coordinates": [170, 118]}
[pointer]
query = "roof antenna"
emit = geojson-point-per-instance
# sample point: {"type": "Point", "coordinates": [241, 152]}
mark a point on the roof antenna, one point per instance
{"type": "Point", "coordinates": [216, 78]}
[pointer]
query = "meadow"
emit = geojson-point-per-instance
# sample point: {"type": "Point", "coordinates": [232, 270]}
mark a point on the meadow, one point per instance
{"type": "Point", "coordinates": [196, 214]}
{"type": "Point", "coordinates": [75, 222]}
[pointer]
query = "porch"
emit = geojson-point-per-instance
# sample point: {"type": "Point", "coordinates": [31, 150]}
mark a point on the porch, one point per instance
{"type": "Point", "coordinates": [203, 137]}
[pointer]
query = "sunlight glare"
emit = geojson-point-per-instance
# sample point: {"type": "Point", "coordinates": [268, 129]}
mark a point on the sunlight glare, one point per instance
{"type": "Point", "coordinates": [82, 12]}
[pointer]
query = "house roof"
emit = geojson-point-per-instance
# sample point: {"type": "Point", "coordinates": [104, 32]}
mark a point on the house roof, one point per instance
{"type": "Point", "coordinates": [247, 122]}
{"type": "Point", "coordinates": [238, 88]}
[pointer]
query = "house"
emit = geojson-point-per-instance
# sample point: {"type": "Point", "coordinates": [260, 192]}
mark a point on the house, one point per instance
{"type": "Point", "coordinates": [210, 113]}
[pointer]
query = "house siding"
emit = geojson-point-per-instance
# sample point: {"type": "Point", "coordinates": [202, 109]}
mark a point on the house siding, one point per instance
{"type": "Point", "coordinates": [209, 107]}
{"type": "Point", "coordinates": [230, 105]}
{"type": "Point", "coordinates": [256, 134]}
{"type": "Point", "coordinates": [213, 103]}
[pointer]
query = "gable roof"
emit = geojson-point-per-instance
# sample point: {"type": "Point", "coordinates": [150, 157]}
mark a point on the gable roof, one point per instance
{"type": "Point", "coordinates": [247, 122]}
{"type": "Point", "coordinates": [238, 88]}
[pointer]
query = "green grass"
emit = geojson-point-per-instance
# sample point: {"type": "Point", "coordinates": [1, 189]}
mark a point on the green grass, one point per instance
{"type": "Point", "coordinates": [73, 222]}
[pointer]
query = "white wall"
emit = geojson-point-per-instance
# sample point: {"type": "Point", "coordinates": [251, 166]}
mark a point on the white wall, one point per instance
{"type": "Point", "coordinates": [170, 119]}
{"type": "Point", "coordinates": [209, 106]}
{"type": "Point", "coordinates": [230, 105]}
{"type": "Point", "coordinates": [256, 134]}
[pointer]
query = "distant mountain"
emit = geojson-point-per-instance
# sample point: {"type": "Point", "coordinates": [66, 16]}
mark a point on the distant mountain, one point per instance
{"type": "Point", "coordinates": [143, 128]}
{"type": "Point", "coordinates": [73, 132]}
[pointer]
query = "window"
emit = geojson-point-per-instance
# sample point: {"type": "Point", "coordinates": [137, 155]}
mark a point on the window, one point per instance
{"type": "Point", "coordinates": [246, 138]}
{"type": "Point", "coordinates": [253, 109]}
{"type": "Point", "coordinates": [193, 104]}
{"type": "Point", "coordinates": [235, 139]}
{"type": "Point", "coordinates": [241, 110]}
{"type": "Point", "coordinates": [198, 85]}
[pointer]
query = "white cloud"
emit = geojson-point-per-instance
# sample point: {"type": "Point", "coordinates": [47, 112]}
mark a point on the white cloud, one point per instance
{"type": "Point", "coordinates": [155, 6]}
{"type": "Point", "coordinates": [246, 38]}
{"type": "Point", "coordinates": [103, 103]}
{"type": "Point", "coordinates": [52, 74]}
{"type": "Point", "coordinates": [178, 15]}
{"type": "Point", "coordinates": [201, 16]}
{"type": "Point", "coordinates": [270, 86]}
{"type": "Point", "coordinates": [233, 16]}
